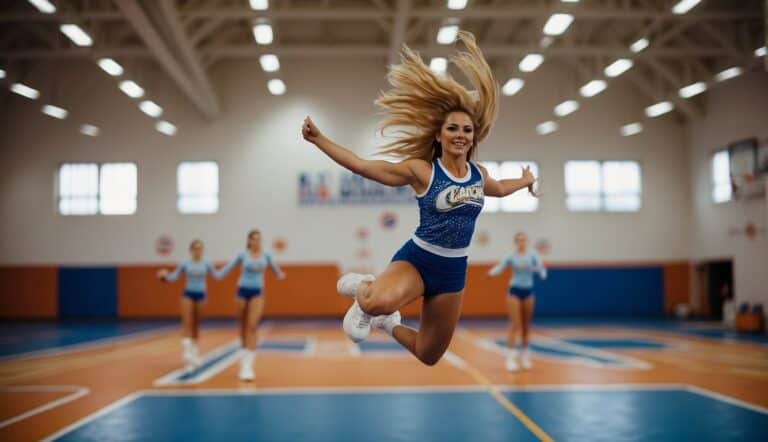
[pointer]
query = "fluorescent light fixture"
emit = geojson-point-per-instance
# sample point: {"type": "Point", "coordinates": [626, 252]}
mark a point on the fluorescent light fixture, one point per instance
{"type": "Point", "coordinates": [55, 111]}
{"type": "Point", "coordinates": [684, 6]}
{"type": "Point", "coordinates": [566, 108]}
{"type": "Point", "coordinates": [151, 108]}
{"type": "Point", "coordinates": [569, 1]}
{"type": "Point", "coordinates": [457, 4]}
{"type": "Point", "coordinates": [259, 5]}
{"type": "Point", "coordinates": [166, 128]}
{"type": "Point", "coordinates": [692, 89]}
{"type": "Point", "coordinates": [546, 127]}
{"type": "Point", "coordinates": [618, 67]}
{"type": "Point", "coordinates": [557, 24]}
{"type": "Point", "coordinates": [269, 62]}
{"type": "Point", "coordinates": [262, 33]}
{"type": "Point", "coordinates": [728, 73]}
{"type": "Point", "coordinates": [447, 34]}
{"type": "Point", "coordinates": [25, 91]}
{"type": "Point", "coordinates": [639, 45]}
{"type": "Point", "coordinates": [276, 86]}
{"type": "Point", "coordinates": [89, 129]}
{"type": "Point", "coordinates": [43, 6]}
{"type": "Point", "coordinates": [438, 65]}
{"type": "Point", "coordinates": [760, 52]}
{"type": "Point", "coordinates": [111, 67]}
{"type": "Point", "coordinates": [531, 62]}
{"type": "Point", "coordinates": [592, 88]}
{"type": "Point", "coordinates": [658, 109]}
{"type": "Point", "coordinates": [512, 86]}
{"type": "Point", "coordinates": [546, 41]}
{"type": "Point", "coordinates": [131, 89]}
{"type": "Point", "coordinates": [631, 129]}
{"type": "Point", "coordinates": [76, 34]}
{"type": "Point", "coordinates": [2, 73]}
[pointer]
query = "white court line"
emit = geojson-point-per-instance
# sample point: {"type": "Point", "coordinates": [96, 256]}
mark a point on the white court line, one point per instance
{"type": "Point", "coordinates": [113, 406]}
{"type": "Point", "coordinates": [172, 377]}
{"type": "Point", "coordinates": [76, 392]}
{"type": "Point", "coordinates": [455, 360]}
{"type": "Point", "coordinates": [215, 369]}
{"type": "Point", "coordinates": [74, 348]}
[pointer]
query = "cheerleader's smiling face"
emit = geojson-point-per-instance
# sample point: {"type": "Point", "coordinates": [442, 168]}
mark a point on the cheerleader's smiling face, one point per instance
{"type": "Point", "coordinates": [457, 135]}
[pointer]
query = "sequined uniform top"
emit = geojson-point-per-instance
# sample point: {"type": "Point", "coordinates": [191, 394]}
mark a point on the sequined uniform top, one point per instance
{"type": "Point", "coordinates": [448, 210]}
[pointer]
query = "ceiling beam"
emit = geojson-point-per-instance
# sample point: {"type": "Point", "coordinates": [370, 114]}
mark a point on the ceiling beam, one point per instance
{"type": "Point", "coordinates": [399, 30]}
{"type": "Point", "coordinates": [180, 38]}
{"type": "Point", "coordinates": [137, 17]}
{"type": "Point", "coordinates": [682, 104]}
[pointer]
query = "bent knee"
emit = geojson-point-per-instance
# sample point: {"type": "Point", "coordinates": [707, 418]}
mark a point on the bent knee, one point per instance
{"type": "Point", "coordinates": [380, 302]}
{"type": "Point", "coordinates": [430, 359]}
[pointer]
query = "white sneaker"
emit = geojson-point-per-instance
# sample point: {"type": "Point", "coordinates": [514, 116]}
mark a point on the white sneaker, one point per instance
{"type": "Point", "coordinates": [386, 322]}
{"type": "Point", "coordinates": [347, 284]}
{"type": "Point", "coordinates": [187, 350]}
{"type": "Point", "coordinates": [525, 361]}
{"type": "Point", "coordinates": [512, 363]}
{"type": "Point", "coordinates": [246, 372]}
{"type": "Point", "coordinates": [357, 323]}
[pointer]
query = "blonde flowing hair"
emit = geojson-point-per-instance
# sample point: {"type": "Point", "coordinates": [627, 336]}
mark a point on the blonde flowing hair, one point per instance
{"type": "Point", "coordinates": [420, 99]}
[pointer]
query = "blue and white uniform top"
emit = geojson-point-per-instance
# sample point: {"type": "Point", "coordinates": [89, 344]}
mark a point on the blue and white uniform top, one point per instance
{"type": "Point", "coordinates": [523, 268]}
{"type": "Point", "coordinates": [448, 209]}
{"type": "Point", "coordinates": [195, 271]}
{"type": "Point", "coordinates": [252, 276]}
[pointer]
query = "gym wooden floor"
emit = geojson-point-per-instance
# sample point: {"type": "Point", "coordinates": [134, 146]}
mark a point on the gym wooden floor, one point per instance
{"type": "Point", "coordinates": [591, 381]}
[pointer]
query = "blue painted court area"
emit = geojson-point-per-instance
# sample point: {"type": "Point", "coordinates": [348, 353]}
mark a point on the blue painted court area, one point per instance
{"type": "Point", "coordinates": [283, 346]}
{"type": "Point", "coordinates": [640, 415]}
{"type": "Point", "coordinates": [710, 329]}
{"type": "Point", "coordinates": [19, 339]}
{"type": "Point", "coordinates": [619, 344]}
{"type": "Point", "coordinates": [209, 362]}
{"type": "Point", "coordinates": [427, 416]}
{"type": "Point", "coordinates": [380, 346]}
{"type": "Point", "coordinates": [584, 415]}
{"type": "Point", "coordinates": [726, 335]}
{"type": "Point", "coordinates": [565, 350]}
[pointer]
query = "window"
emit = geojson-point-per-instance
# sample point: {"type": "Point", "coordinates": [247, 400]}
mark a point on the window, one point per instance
{"type": "Point", "coordinates": [621, 186]}
{"type": "Point", "coordinates": [721, 177]}
{"type": "Point", "coordinates": [491, 205]}
{"type": "Point", "coordinates": [91, 188]}
{"type": "Point", "coordinates": [613, 186]}
{"type": "Point", "coordinates": [198, 187]}
{"type": "Point", "coordinates": [117, 186]}
{"type": "Point", "coordinates": [519, 201]}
